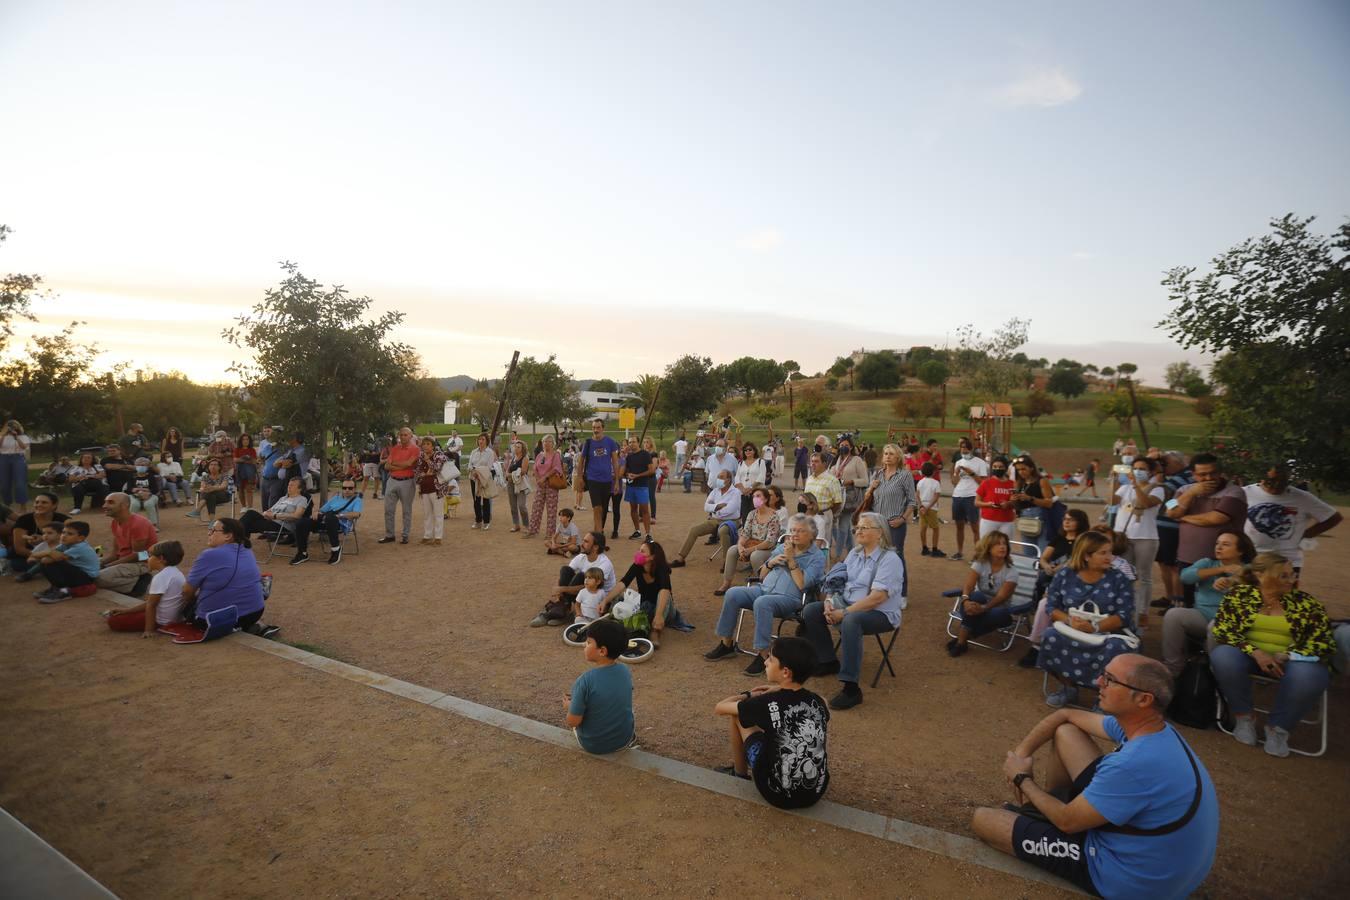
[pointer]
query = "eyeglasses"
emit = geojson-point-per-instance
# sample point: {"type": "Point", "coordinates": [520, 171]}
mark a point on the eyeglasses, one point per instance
{"type": "Point", "coordinates": [349, 487]}
{"type": "Point", "coordinates": [215, 529]}
{"type": "Point", "coordinates": [1109, 679]}
{"type": "Point", "coordinates": [859, 528]}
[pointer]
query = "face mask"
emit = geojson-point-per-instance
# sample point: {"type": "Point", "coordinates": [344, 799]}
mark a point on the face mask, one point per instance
{"type": "Point", "coordinates": [998, 473]}
{"type": "Point", "coordinates": [141, 470]}
{"type": "Point", "coordinates": [801, 508]}
{"type": "Point", "coordinates": [640, 558]}
{"type": "Point", "coordinates": [1142, 475]}
{"type": "Point", "coordinates": [845, 450]}
{"type": "Point", "coordinates": [725, 484]}
{"type": "Point", "coordinates": [1127, 460]}
{"type": "Point", "coordinates": [757, 501]}
{"type": "Point", "coordinates": [966, 455]}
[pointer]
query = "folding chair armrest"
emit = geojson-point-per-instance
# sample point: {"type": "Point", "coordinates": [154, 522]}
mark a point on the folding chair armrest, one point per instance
{"type": "Point", "coordinates": [954, 592]}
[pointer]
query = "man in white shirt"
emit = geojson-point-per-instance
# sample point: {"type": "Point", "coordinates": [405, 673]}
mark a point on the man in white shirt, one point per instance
{"type": "Point", "coordinates": [453, 446]}
{"type": "Point", "coordinates": [718, 462]}
{"type": "Point", "coordinates": [1279, 517]}
{"type": "Point", "coordinates": [681, 451]}
{"type": "Point", "coordinates": [572, 578]}
{"type": "Point", "coordinates": [723, 507]}
{"type": "Point", "coordinates": [967, 473]}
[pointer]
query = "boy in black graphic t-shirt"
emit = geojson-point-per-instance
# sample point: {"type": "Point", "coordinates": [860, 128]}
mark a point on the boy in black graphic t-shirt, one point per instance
{"type": "Point", "coordinates": [778, 730]}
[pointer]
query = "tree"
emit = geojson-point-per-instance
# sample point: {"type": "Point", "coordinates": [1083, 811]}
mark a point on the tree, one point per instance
{"type": "Point", "coordinates": [765, 413]}
{"type": "Point", "coordinates": [1177, 374]}
{"type": "Point", "coordinates": [987, 364]}
{"type": "Point", "coordinates": [932, 372]}
{"type": "Point", "coordinates": [165, 400]}
{"type": "Point", "coordinates": [690, 389]}
{"type": "Point", "coordinates": [604, 385]}
{"type": "Point", "coordinates": [646, 388]}
{"type": "Point", "coordinates": [1117, 405]}
{"type": "Point", "coordinates": [1072, 364]}
{"type": "Point", "coordinates": [1036, 404]}
{"type": "Point", "coordinates": [879, 372]}
{"type": "Point", "coordinates": [16, 293]}
{"type": "Point", "coordinates": [53, 389]}
{"type": "Point", "coordinates": [1196, 386]}
{"type": "Point", "coordinates": [814, 409]}
{"type": "Point", "coordinates": [1126, 370]}
{"type": "Point", "coordinates": [918, 408]}
{"type": "Point", "coordinates": [541, 391]}
{"type": "Point", "coordinates": [1066, 382]}
{"type": "Point", "coordinates": [843, 366]}
{"type": "Point", "coordinates": [481, 407]}
{"type": "Point", "coordinates": [1278, 310]}
{"type": "Point", "coordinates": [319, 364]}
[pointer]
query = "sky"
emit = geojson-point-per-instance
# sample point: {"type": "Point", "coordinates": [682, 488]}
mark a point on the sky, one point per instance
{"type": "Point", "coordinates": [620, 184]}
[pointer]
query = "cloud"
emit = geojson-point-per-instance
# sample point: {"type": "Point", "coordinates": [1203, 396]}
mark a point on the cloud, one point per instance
{"type": "Point", "coordinates": [761, 241]}
{"type": "Point", "coordinates": [1046, 86]}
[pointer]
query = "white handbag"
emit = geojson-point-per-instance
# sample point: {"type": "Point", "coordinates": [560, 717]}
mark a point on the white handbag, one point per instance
{"type": "Point", "coordinates": [1092, 638]}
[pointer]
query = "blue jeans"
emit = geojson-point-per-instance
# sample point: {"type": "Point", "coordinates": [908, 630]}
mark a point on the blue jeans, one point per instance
{"type": "Point", "coordinates": [13, 478]}
{"type": "Point", "coordinates": [688, 479]}
{"type": "Point", "coordinates": [766, 607]}
{"type": "Point", "coordinates": [987, 621]}
{"type": "Point", "coordinates": [1302, 684]}
{"type": "Point", "coordinates": [851, 632]}
{"type": "Point", "coordinates": [841, 533]}
{"type": "Point", "coordinates": [898, 542]}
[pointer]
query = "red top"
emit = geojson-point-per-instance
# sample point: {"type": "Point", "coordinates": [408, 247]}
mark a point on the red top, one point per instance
{"type": "Point", "coordinates": [995, 490]}
{"type": "Point", "coordinates": [245, 453]}
{"type": "Point", "coordinates": [401, 454]}
{"type": "Point", "coordinates": [136, 529]}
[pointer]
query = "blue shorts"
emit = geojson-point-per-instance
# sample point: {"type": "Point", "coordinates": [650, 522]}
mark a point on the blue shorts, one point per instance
{"type": "Point", "coordinates": [753, 745]}
{"type": "Point", "coordinates": [639, 495]}
{"type": "Point", "coordinates": [964, 510]}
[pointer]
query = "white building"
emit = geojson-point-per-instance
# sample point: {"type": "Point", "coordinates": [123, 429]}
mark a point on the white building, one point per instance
{"type": "Point", "coordinates": [605, 404]}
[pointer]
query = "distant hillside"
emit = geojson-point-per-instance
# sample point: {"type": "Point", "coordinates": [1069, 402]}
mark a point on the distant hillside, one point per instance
{"type": "Point", "coordinates": [466, 383]}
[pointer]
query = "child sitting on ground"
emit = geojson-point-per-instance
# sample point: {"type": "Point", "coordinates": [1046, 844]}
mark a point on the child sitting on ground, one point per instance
{"type": "Point", "coordinates": [586, 607]}
{"type": "Point", "coordinates": [55, 474]}
{"type": "Point", "coordinates": [566, 538]}
{"type": "Point", "coordinates": [51, 539]}
{"type": "Point", "coordinates": [778, 730]}
{"type": "Point", "coordinates": [72, 563]}
{"type": "Point", "coordinates": [930, 492]}
{"type": "Point", "coordinates": [163, 599]}
{"type": "Point", "coordinates": [600, 707]}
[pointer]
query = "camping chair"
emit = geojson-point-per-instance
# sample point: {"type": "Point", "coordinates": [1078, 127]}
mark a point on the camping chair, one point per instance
{"type": "Point", "coordinates": [884, 647]}
{"type": "Point", "coordinates": [796, 616]}
{"type": "Point", "coordinates": [344, 533]}
{"type": "Point", "coordinates": [230, 488]}
{"type": "Point", "coordinates": [1223, 719]}
{"type": "Point", "coordinates": [1022, 604]}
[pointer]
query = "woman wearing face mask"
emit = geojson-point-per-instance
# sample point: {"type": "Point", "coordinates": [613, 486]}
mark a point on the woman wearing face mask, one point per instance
{"type": "Point", "coordinates": [1139, 502]}
{"type": "Point", "coordinates": [851, 471]}
{"type": "Point", "coordinates": [649, 575]}
{"type": "Point", "coordinates": [758, 536]}
{"type": "Point", "coordinates": [994, 499]}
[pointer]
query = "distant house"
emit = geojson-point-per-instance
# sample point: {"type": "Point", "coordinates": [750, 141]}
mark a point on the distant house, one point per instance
{"type": "Point", "coordinates": [607, 403]}
{"type": "Point", "coordinates": [857, 355]}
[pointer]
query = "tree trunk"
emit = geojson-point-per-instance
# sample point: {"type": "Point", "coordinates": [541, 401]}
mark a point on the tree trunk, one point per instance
{"type": "Point", "coordinates": [323, 466]}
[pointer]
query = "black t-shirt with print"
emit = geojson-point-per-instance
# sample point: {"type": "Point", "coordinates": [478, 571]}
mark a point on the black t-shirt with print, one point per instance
{"type": "Point", "coordinates": [117, 480]}
{"type": "Point", "coordinates": [792, 770]}
{"type": "Point", "coordinates": [639, 461]}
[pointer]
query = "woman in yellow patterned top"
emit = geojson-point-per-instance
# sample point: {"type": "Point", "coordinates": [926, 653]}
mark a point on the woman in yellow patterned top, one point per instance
{"type": "Point", "coordinates": [1270, 629]}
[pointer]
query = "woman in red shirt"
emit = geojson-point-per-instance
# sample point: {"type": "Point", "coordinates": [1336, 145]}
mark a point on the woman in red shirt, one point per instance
{"type": "Point", "coordinates": [245, 469]}
{"type": "Point", "coordinates": [994, 500]}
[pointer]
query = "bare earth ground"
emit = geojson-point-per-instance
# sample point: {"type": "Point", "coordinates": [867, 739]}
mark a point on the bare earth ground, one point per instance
{"type": "Point", "coordinates": [116, 748]}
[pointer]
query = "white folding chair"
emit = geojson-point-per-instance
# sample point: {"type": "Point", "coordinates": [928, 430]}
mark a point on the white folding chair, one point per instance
{"type": "Point", "coordinates": [1022, 604]}
{"type": "Point", "coordinates": [1221, 714]}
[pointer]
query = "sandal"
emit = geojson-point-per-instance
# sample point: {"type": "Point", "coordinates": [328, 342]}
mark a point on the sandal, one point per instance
{"type": "Point", "coordinates": [676, 563]}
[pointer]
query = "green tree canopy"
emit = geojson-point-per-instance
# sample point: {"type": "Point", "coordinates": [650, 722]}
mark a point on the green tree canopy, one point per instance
{"type": "Point", "coordinates": [814, 409]}
{"type": "Point", "coordinates": [986, 363]}
{"type": "Point", "coordinates": [1178, 373]}
{"type": "Point", "coordinates": [1116, 405]}
{"type": "Point", "coordinates": [932, 372]}
{"type": "Point", "coordinates": [1033, 406]}
{"type": "Point", "coordinates": [690, 389]}
{"type": "Point", "coordinates": [541, 391]}
{"type": "Point", "coordinates": [1066, 382]}
{"type": "Point", "coordinates": [604, 385]}
{"type": "Point", "coordinates": [16, 293]}
{"type": "Point", "coordinates": [52, 389]}
{"type": "Point", "coordinates": [163, 400]}
{"type": "Point", "coordinates": [879, 372]}
{"type": "Point", "coordinates": [1278, 310]}
{"type": "Point", "coordinates": [918, 408]}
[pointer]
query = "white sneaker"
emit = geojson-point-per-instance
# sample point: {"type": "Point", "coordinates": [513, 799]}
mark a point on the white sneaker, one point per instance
{"type": "Point", "coordinates": [1277, 741]}
{"type": "Point", "coordinates": [487, 526]}
{"type": "Point", "coordinates": [1244, 731]}
{"type": "Point", "coordinates": [474, 525]}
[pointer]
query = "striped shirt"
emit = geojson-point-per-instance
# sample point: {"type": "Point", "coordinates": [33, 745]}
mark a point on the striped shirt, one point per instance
{"type": "Point", "coordinates": [895, 495]}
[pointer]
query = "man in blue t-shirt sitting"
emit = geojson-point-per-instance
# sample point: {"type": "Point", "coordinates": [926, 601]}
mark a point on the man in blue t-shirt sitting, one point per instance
{"type": "Point", "coordinates": [1142, 821]}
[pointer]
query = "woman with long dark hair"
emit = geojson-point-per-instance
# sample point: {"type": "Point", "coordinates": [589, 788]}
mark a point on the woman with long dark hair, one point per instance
{"type": "Point", "coordinates": [649, 575]}
{"type": "Point", "coordinates": [245, 469]}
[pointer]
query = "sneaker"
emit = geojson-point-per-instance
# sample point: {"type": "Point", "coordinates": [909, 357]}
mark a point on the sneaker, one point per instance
{"type": "Point", "coordinates": [957, 555]}
{"type": "Point", "coordinates": [487, 525]}
{"type": "Point", "coordinates": [1030, 658]}
{"type": "Point", "coordinates": [556, 621]}
{"type": "Point", "coordinates": [635, 535]}
{"type": "Point", "coordinates": [335, 556]}
{"type": "Point", "coordinates": [267, 631]}
{"type": "Point", "coordinates": [192, 515]}
{"type": "Point", "coordinates": [730, 770]}
{"type": "Point", "coordinates": [403, 540]}
{"type": "Point", "coordinates": [720, 651]}
{"type": "Point", "coordinates": [1062, 697]}
{"type": "Point", "coordinates": [474, 525]}
{"type": "Point", "coordinates": [924, 552]}
{"type": "Point", "coordinates": [1162, 603]}
{"type": "Point", "coordinates": [38, 595]}
{"type": "Point", "coordinates": [75, 511]}
{"type": "Point", "coordinates": [955, 649]}
{"type": "Point", "coordinates": [848, 698]}
{"type": "Point", "coordinates": [22, 577]}
{"type": "Point", "coordinates": [1277, 740]}
{"type": "Point", "coordinates": [539, 621]}
{"type": "Point", "coordinates": [756, 667]}
{"type": "Point", "coordinates": [937, 554]}
{"type": "Point", "coordinates": [387, 539]}
{"type": "Point", "coordinates": [301, 557]}
{"type": "Point", "coordinates": [56, 595]}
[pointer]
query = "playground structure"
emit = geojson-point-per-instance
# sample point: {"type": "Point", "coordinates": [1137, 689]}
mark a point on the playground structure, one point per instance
{"type": "Point", "coordinates": [990, 430]}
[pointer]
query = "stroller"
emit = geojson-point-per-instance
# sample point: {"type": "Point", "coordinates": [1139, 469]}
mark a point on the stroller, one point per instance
{"type": "Point", "coordinates": [628, 611]}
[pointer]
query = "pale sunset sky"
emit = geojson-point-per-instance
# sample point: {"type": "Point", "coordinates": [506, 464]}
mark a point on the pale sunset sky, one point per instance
{"type": "Point", "coordinates": [623, 183]}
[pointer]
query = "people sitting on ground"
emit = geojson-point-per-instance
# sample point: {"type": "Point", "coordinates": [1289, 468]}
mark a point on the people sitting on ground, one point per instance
{"type": "Point", "coordinates": [587, 606]}
{"type": "Point", "coordinates": [26, 532]}
{"type": "Point", "coordinates": [69, 564]}
{"type": "Point", "coordinates": [279, 523]}
{"type": "Point", "coordinates": [572, 578]}
{"type": "Point", "coordinates": [987, 593]}
{"type": "Point", "coordinates": [212, 491]}
{"type": "Point", "coordinates": [600, 705]}
{"type": "Point", "coordinates": [1088, 578]}
{"type": "Point", "coordinates": [565, 537]}
{"type": "Point", "coordinates": [758, 535]}
{"type": "Point", "coordinates": [869, 603]}
{"type": "Point", "coordinates": [1054, 557]}
{"type": "Point", "coordinates": [132, 535]}
{"type": "Point", "coordinates": [163, 598]}
{"type": "Point", "coordinates": [85, 479]}
{"type": "Point", "coordinates": [1280, 517]}
{"type": "Point", "coordinates": [1273, 630]}
{"type": "Point", "coordinates": [778, 730]}
{"type": "Point", "coordinates": [171, 480]}
{"type": "Point", "coordinates": [144, 489]}
{"type": "Point", "coordinates": [32, 567]}
{"type": "Point", "coordinates": [335, 518]}
{"type": "Point", "coordinates": [1142, 821]}
{"type": "Point", "coordinates": [649, 575]}
{"type": "Point", "coordinates": [1213, 577]}
{"type": "Point", "coordinates": [55, 474]}
{"type": "Point", "coordinates": [793, 572]}
{"type": "Point", "coordinates": [723, 506]}
{"type": "Point", "coordinates": [245, 468]}
{"type": "Point", "coordinates": [226, 574]}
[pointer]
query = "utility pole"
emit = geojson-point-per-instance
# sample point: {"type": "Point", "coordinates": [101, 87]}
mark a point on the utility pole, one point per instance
{"type": "Point", "coordinates": [501, 404]}
{"type": "Point", "coordinates": [647, 420]}
{"type": "Point", "coordinates": [792, 425]}
{"type": "Point", "coordinates": [1134, 402]}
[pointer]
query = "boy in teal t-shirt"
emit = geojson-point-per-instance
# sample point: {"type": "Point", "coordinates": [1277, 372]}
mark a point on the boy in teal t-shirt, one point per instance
{"type": "Point", "coordinates": [600, 707]}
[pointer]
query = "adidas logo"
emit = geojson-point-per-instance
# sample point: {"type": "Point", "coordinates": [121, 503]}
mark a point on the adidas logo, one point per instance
{"type": "Point", "coordinates": [1056, 848]}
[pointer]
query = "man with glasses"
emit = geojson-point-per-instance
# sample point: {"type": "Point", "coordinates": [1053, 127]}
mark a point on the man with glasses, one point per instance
{"type": "Point", "coordinates": [1142, 821]}
{"type": "Point", "coordinates": [1280, 517]}
{"type": "Point", "coordinates": [336, 517]}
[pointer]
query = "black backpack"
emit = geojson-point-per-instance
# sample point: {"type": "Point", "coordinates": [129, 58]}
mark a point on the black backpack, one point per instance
{"type": "Point", "coordinates": [1193, 704]}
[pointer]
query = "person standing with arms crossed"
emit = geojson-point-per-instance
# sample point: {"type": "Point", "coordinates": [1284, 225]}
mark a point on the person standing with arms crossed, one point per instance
{"type": "Point", "coordinates": [402, 459]}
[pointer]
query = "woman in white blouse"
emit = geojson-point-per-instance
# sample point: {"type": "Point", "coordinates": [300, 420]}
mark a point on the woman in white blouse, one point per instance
{"type": "Point", "coordinates": [14, 447]}
{"type": "Point", "coordinates": [749, 475]}
{"type": "Point", "coordinates": [1139, 501]}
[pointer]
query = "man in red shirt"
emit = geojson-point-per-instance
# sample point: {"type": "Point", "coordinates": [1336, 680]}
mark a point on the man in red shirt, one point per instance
{"type": "Point", "coordinates": [933, 455]}
{"type": "Point", "coordinates": [132, 535]}
{"type": "Point", "coordinates": [994, 500]}
{"type": "Point", "coordinates": [402, 458]}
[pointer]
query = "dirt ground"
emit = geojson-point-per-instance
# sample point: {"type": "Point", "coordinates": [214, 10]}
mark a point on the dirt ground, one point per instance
{"type": "Point", "coordinates": [112, 743]}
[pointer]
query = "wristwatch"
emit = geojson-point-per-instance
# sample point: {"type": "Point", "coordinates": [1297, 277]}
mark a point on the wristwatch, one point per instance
{"type": "Point", "coordinates": [1019, 778]}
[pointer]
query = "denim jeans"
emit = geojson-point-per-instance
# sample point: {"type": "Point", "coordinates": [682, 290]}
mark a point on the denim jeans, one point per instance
{"type": "Point", "coordinates": [766, 607]}
{"type": "Point", "coordinates": [851, 632]}
{"type": "Point", "coordinates": [13, 478]}
{"type": "Point", "coordinates": [1302, 684]}
{"type": "Point", "coordinates": [987, 621]}
{"type": "Point", "coordinates": [898, 542]}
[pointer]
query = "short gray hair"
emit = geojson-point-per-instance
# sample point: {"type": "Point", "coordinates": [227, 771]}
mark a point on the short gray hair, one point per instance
{"type": "Point", "coordinates": [875, 519]}
{"type": "Point", "coordinates": [1152, 676]}
{"type": "Point", "coordinates": [806, 521]}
